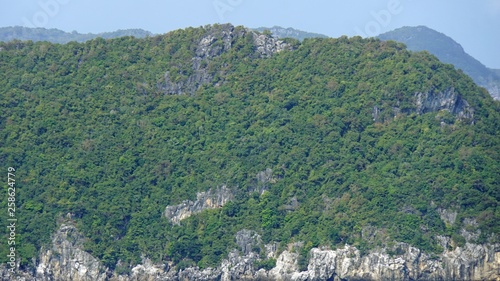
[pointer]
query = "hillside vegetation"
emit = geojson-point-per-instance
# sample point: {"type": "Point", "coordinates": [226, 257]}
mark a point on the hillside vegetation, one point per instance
{"type": "Point", "coordinates": [91, 130]}
{"type": "Point", "coordinates": [421, 38]}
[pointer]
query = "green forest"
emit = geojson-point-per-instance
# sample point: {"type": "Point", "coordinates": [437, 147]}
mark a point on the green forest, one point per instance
{"type": "Point", "coordinates": [91, 131]}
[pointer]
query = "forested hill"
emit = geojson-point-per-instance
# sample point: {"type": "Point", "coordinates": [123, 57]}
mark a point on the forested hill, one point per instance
{"type": "Point", "coordinates": [58, 36]}
{"type": "Point", "coordinates": [422, 38]}
{"type": "Point", "coordinates": [326, 142]}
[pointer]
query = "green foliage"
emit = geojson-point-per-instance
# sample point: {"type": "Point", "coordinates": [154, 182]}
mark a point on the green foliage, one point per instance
{"type": "Point", "coordinates": [421, 38]}
{"type": "Point", "coordinates": [91, 132]}
{"type": "Point", "coordinates": [266, 264]}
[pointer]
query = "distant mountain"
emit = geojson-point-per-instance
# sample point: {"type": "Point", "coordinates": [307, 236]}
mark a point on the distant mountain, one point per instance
{"type": "Point", "coordinates": [421, 38]}
{"type": "Point", "coordinates": [58, 36]}
{"type": "Point", "coordinates": [497, 71]}
{"type": "Point", "coordinates": [281, 32]}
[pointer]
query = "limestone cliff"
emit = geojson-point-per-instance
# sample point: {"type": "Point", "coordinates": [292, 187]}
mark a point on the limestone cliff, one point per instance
{"type": "Point", "coordinates": [215, 198]}
{"type": "Point", "coordinates": [448, 100]}
{"type": "Point", "coordinates": [211, 199]}
{"type": "Point", "coordinates": [65, 260]}
{"type": "Point", "coordinates": [217, 41]}
{"type": "Point", "coordinates": [434, 101]}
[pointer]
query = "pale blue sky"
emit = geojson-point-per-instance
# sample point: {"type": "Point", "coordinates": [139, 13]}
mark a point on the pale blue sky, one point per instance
{"type": "Point", "coordinates": [475, 24]}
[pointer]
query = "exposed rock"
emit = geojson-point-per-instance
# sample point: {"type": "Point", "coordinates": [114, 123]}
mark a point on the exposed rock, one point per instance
{"type": "Point", "coordinates": [471, 230]}
{"type": "Point", "coordinates": [217, 41]}
{"type": "Point", "coordinates": [431, 101]}
{"type": "Point", "coordinates": [447, 100]}
{"type": "Point", "coordinates": [211, 199]}
{"type": "Point", "coordinates": [473, 262]}
{"type": "Point", "coordinates": [66, 261]}
{"type": "Point", "coordinates": [194, 273]}
{"type": "Point", "coordinates": [263, 180]}
{"type": "Point", "coordinates": [237, 267]}
{"type": "Point", "coordinates": [247, 240]}
{"type": "Point", "coordinates": [147, 271]}
{"type": "Point", "coordinates": [447, 216]}
{"type": "Point", "coordinates": [271, 249]}
{"type": "Point", "coordinates": [264, 177]}
{"type": "Point", "coordinates": [267, 45]}
{"type": "Point", "coordinates": [286, 265]}
{"type": "Point", "coordinates": [376, 114]}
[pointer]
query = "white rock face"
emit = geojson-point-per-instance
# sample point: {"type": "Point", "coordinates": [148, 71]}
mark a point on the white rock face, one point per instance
{"type": "Point", "coordinates": [66, 261]}
{"type": "Point", "coordinates": [286, 264]}
{"type": "Point", "coordinates": [472, 262]}
{"type": "Point", "coordinates": [211, 199]}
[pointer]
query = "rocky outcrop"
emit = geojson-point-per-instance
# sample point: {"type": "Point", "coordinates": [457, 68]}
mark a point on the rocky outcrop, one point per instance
{"type": "Point", "coordinates": [430, 101]}
{"type": "Point", "coordinates": [217, 198]}
{"type": "Point", "coordinates": [266, 45]}
{"type": "Point", "coordinates": [66, 261]}
{"type": "Point", "coordinates": [218, 40]}
{"type": "Point", "coordinates": [247, 240]}
{"type": "Point", "coordinates": [447, 216]}
{"type": "Point", "coordinates": [449, 100]}
{"type": "Point", "coordinates": [211, 199]}
{"type": "Point", "coordinates": [472, 262]}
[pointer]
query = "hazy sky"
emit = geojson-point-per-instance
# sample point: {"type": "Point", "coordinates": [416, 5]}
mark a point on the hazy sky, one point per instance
{"type": "Point", "coordinates": [475, 24]}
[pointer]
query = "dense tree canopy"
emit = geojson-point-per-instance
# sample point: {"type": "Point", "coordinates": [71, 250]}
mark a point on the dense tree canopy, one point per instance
{"type": "Point", "coordinates": [91, 132]}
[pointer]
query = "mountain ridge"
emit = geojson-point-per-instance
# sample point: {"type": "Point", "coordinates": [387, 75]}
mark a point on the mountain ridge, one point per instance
{"type": "Point", "coordinates": [483, 76]}
{"type": "Point", "coordinates": [58, 36]}
{"type": "Point", "coordinates": [422, 38]}
{"type": "Point", "coordinates": [281, 32]}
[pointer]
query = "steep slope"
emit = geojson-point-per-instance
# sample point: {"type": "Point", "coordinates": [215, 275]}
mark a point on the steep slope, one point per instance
{"type": "Point", "coordinates": [58, 36]}
{"type": "Point", "coordinates": [422, 38]}
{"type": "Point", "coordinates": [281, 32]}
{"type": "Point", "coordinates": [216, 146]}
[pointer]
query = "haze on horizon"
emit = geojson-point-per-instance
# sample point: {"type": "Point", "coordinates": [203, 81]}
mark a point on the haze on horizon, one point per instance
{"type": "Point", "coordinates": [473, 24]}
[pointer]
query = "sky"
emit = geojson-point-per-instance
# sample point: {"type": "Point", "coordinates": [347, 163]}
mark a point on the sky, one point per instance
{"type": "Point", "coordinates": [475, 24]}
